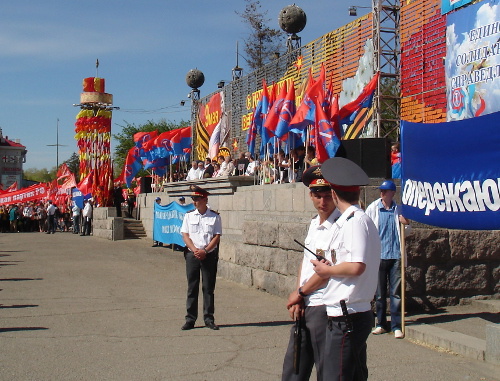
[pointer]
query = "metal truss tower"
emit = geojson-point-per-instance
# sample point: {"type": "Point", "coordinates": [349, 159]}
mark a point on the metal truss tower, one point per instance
{"type": "Point", "coordinates": [387, 101]}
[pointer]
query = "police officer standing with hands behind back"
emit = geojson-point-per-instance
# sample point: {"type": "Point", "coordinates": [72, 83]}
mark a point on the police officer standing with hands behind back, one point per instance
{"type": "Point", "coordinates": [350, 276]}
{"type": "Point", "coordinates": [201, 230]}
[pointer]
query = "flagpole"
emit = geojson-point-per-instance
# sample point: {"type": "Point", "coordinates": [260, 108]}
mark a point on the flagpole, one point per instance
{"type": "Point", "coordinates": [402, 243]}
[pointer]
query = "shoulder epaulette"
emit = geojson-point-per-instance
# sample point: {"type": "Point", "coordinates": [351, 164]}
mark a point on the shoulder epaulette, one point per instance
{"type": "Point", "coordinates": [216, 212]}
{"type": "Point", "coordinates": [350, 216]}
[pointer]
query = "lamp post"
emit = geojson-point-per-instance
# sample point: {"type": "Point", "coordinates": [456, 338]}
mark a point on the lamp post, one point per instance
{"type": "Point", "coordinates": [57, 145]}
{"type": "Point", "coordinates": [353, 9]}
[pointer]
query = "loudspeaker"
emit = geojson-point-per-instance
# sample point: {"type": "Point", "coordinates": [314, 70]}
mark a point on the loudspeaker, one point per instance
{"type": "Point", "coordinates": [371, 154]}
{"type": "Point", "coordinates": [146, 184]}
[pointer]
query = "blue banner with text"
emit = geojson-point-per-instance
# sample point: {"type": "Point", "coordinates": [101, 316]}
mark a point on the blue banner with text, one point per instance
{"type": "Point", "coordinates": [451, 173]}
{"type": "Point", "coordinates": [167, 222]}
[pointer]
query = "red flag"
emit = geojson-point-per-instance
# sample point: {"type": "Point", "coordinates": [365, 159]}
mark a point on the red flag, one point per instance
{"type": "Point", "coordinates": [12, 188]}
{"type": "Point", "coordinates": [85, 186]}
{"type": "Point", "coordinates": [305, 112]}
{"type": "Point", "coordinates": [69, 183]}
{"type": "Point", "coordinates": [334, 117]}
{"type": "Point", "coordinates": [274, 112]}
{"type": "Point", "coordinates": [348, 113]}
{"type": "Point", "coordinates": [326, 142]}
{"type": "Point", "coordinates": [142, 137]}
{"type": "Point", "coordinates": [63, 172]}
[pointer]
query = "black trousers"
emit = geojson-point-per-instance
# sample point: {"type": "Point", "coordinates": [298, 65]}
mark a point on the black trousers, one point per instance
{"type": "Point", "coordinates": [311, 347]}
{"type": "Point", "coordinates": [52, 223]}
{"type": "Point", "coordinates": [345, 353]}
{"type": "Point", "coordinates": [87, 222]}
{"type": "Point", "coordinates": [208, 270]}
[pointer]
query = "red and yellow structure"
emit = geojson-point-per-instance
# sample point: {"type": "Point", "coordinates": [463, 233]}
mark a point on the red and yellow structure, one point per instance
{"type": "Point", "coordinates": [93, 135]}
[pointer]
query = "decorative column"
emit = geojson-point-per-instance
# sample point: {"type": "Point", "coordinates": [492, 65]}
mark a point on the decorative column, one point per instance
{"type": "Point", "coordinates": [93, 135]}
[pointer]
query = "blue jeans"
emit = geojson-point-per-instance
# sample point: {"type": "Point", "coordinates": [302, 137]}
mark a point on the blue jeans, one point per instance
{"type": "Point", "coordinates": [389, 274]}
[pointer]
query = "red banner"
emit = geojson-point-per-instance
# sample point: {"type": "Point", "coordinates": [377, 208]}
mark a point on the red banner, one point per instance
{"type": "Point", "coordinates": [34, 192]}
{"type": "Point", "coordinates": [211, 113]}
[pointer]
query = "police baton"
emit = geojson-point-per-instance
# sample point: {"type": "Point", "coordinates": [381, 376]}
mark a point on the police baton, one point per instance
{"type": "Point", "coordinates": [297, 340]}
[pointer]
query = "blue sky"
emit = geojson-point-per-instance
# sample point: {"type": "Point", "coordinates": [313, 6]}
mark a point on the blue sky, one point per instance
{"type": "Point", "coordinates": [145, 49]}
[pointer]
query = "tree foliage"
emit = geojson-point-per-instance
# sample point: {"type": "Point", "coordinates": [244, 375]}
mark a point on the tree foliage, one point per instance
{"type": "Point", "coordinates": [125, 139]}
{"type": "Point", "coordinates": [73, 164]}
{"type": "Point", "coordinates": [262, 41]}
{"type": "Point", "coordinates": [40, 175]}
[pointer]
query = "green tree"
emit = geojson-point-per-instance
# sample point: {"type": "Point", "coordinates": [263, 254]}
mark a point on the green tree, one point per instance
{"type": "Point", "coordinates": [125, 138]}
{"type": "Point", "coordinates": [73, 164]}
{"type": "Point", "coordinates": [263, 41]}
{"type": "Point", "coordinates": [40, 175]}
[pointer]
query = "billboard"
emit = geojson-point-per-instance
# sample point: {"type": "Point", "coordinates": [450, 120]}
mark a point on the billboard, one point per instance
{"type": "Point", "coordinates": [473, 61]}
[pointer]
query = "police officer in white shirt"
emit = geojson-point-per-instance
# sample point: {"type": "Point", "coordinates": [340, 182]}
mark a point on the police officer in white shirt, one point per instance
{"type": "Point", "coordinates": [201, 230]}
{"type": "Point", "coordinates": [311, 311]}
{"type": "Point", "coordinates": [351, 275]}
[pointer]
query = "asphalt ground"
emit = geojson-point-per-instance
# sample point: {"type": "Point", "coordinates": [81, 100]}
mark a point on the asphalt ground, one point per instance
{"type": "Point", "coordinates": [84, 308]}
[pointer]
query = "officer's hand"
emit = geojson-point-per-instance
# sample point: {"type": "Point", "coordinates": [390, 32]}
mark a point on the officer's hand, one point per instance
{"type": "Point", "coordinates": [200, 254]}
{"type": "Point", "coordinates": [293, 299]}
{"type": "Point", "coordinates": [321, 268]}
{"type": "Point", "coordinates": [296, 311]}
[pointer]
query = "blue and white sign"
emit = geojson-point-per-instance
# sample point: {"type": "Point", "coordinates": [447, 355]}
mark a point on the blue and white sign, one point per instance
{"type": "Point", "coordinates": [77, 197]}
{"type": "Point", "coordinates": [449, 5]}
{"type": "Point", "coordinates": [473, 61]}
{"type": "Point", "coordinates": [167, 222]}
{"type": "Point", "coordinates": [451, 173]}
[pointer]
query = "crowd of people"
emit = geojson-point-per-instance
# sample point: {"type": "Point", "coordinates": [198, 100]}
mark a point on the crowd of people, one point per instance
{"type": "Point", "coordinates": [277, 168]}
{"type": "Point", "coordinates": [46, 217]}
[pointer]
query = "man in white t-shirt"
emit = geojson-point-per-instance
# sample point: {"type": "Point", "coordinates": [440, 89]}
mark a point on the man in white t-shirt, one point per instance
{"type": "Point", "coordinates": [193, 171]}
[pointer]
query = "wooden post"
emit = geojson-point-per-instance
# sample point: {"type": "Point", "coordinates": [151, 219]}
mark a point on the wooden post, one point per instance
{"type": "Point", "coordinates": [402, 243]}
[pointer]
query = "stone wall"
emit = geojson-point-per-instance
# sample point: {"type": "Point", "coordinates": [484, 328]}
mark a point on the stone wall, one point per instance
{"type": "Point", "coordinates": [261, 222]}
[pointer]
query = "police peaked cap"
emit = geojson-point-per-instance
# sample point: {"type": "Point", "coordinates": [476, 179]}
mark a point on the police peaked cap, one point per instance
{"type": "Point", "coordinates": [343, 174]}
{"type": "Point", "coordinates": [198, 191]}
{"type": "Point", "coordinates": [313, 178]}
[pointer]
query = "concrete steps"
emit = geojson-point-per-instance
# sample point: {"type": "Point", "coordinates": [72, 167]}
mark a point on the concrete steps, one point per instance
{"type": "Point", "coordinates": [133, 229]}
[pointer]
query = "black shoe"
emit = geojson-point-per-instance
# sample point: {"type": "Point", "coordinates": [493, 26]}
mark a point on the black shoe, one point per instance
{"type": "Point", "coordinates": [187, 326]}
{"type": "Point", "coordinates": [154, 246]}
{"type": "Point", "coordinates": [212, 325]}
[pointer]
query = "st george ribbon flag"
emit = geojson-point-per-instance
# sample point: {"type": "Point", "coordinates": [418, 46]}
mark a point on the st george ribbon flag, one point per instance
{"type": "Point", "coordinates": [167, 222]}
{"type": "Point", "coordinates": [451, 179]}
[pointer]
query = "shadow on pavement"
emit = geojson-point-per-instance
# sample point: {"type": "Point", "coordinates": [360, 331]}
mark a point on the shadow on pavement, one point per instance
{"type": "Point", "coordinates": [15, 329]}
{"type": "Point", "coordinates": [19, 306]}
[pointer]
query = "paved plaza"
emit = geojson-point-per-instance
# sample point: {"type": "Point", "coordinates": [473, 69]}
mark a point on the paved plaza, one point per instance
{"type": "Point", "coordinates": [84, 308]}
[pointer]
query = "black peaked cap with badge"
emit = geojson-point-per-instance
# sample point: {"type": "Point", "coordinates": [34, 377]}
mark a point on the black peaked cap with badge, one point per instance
{"type": "Point", "coordinates": [344, 174]}
{"type": "Point", "coordinates": [314, 180]}
{"type": "Point", "coordinates": [197, 191]}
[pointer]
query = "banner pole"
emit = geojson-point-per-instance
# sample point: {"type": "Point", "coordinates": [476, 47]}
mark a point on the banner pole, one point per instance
{"type": "Point", "coordinates": [402, 243]}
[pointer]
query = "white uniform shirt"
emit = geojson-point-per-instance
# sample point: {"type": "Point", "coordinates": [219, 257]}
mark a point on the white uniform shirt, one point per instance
{"type": "Point", "coordinates": [51, 209]}
{"type": "Point", "coordinates": [87, 210]}
{"type": "Point", "coordinates": [201, 227]}
{"type": "Point", "coordinates": [357, 240]}
{"type": "Point", "coordinates": [319, 236]}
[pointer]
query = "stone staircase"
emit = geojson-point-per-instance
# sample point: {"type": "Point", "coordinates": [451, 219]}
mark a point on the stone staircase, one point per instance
{"type": "Point", "coordinates": [133, 229]}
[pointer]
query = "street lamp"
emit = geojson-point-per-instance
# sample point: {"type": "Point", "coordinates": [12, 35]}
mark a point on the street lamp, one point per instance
{"type": "Point", "coordinates": [57, 145]}
{"type": "Point", "coordinates": [354, 8]}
